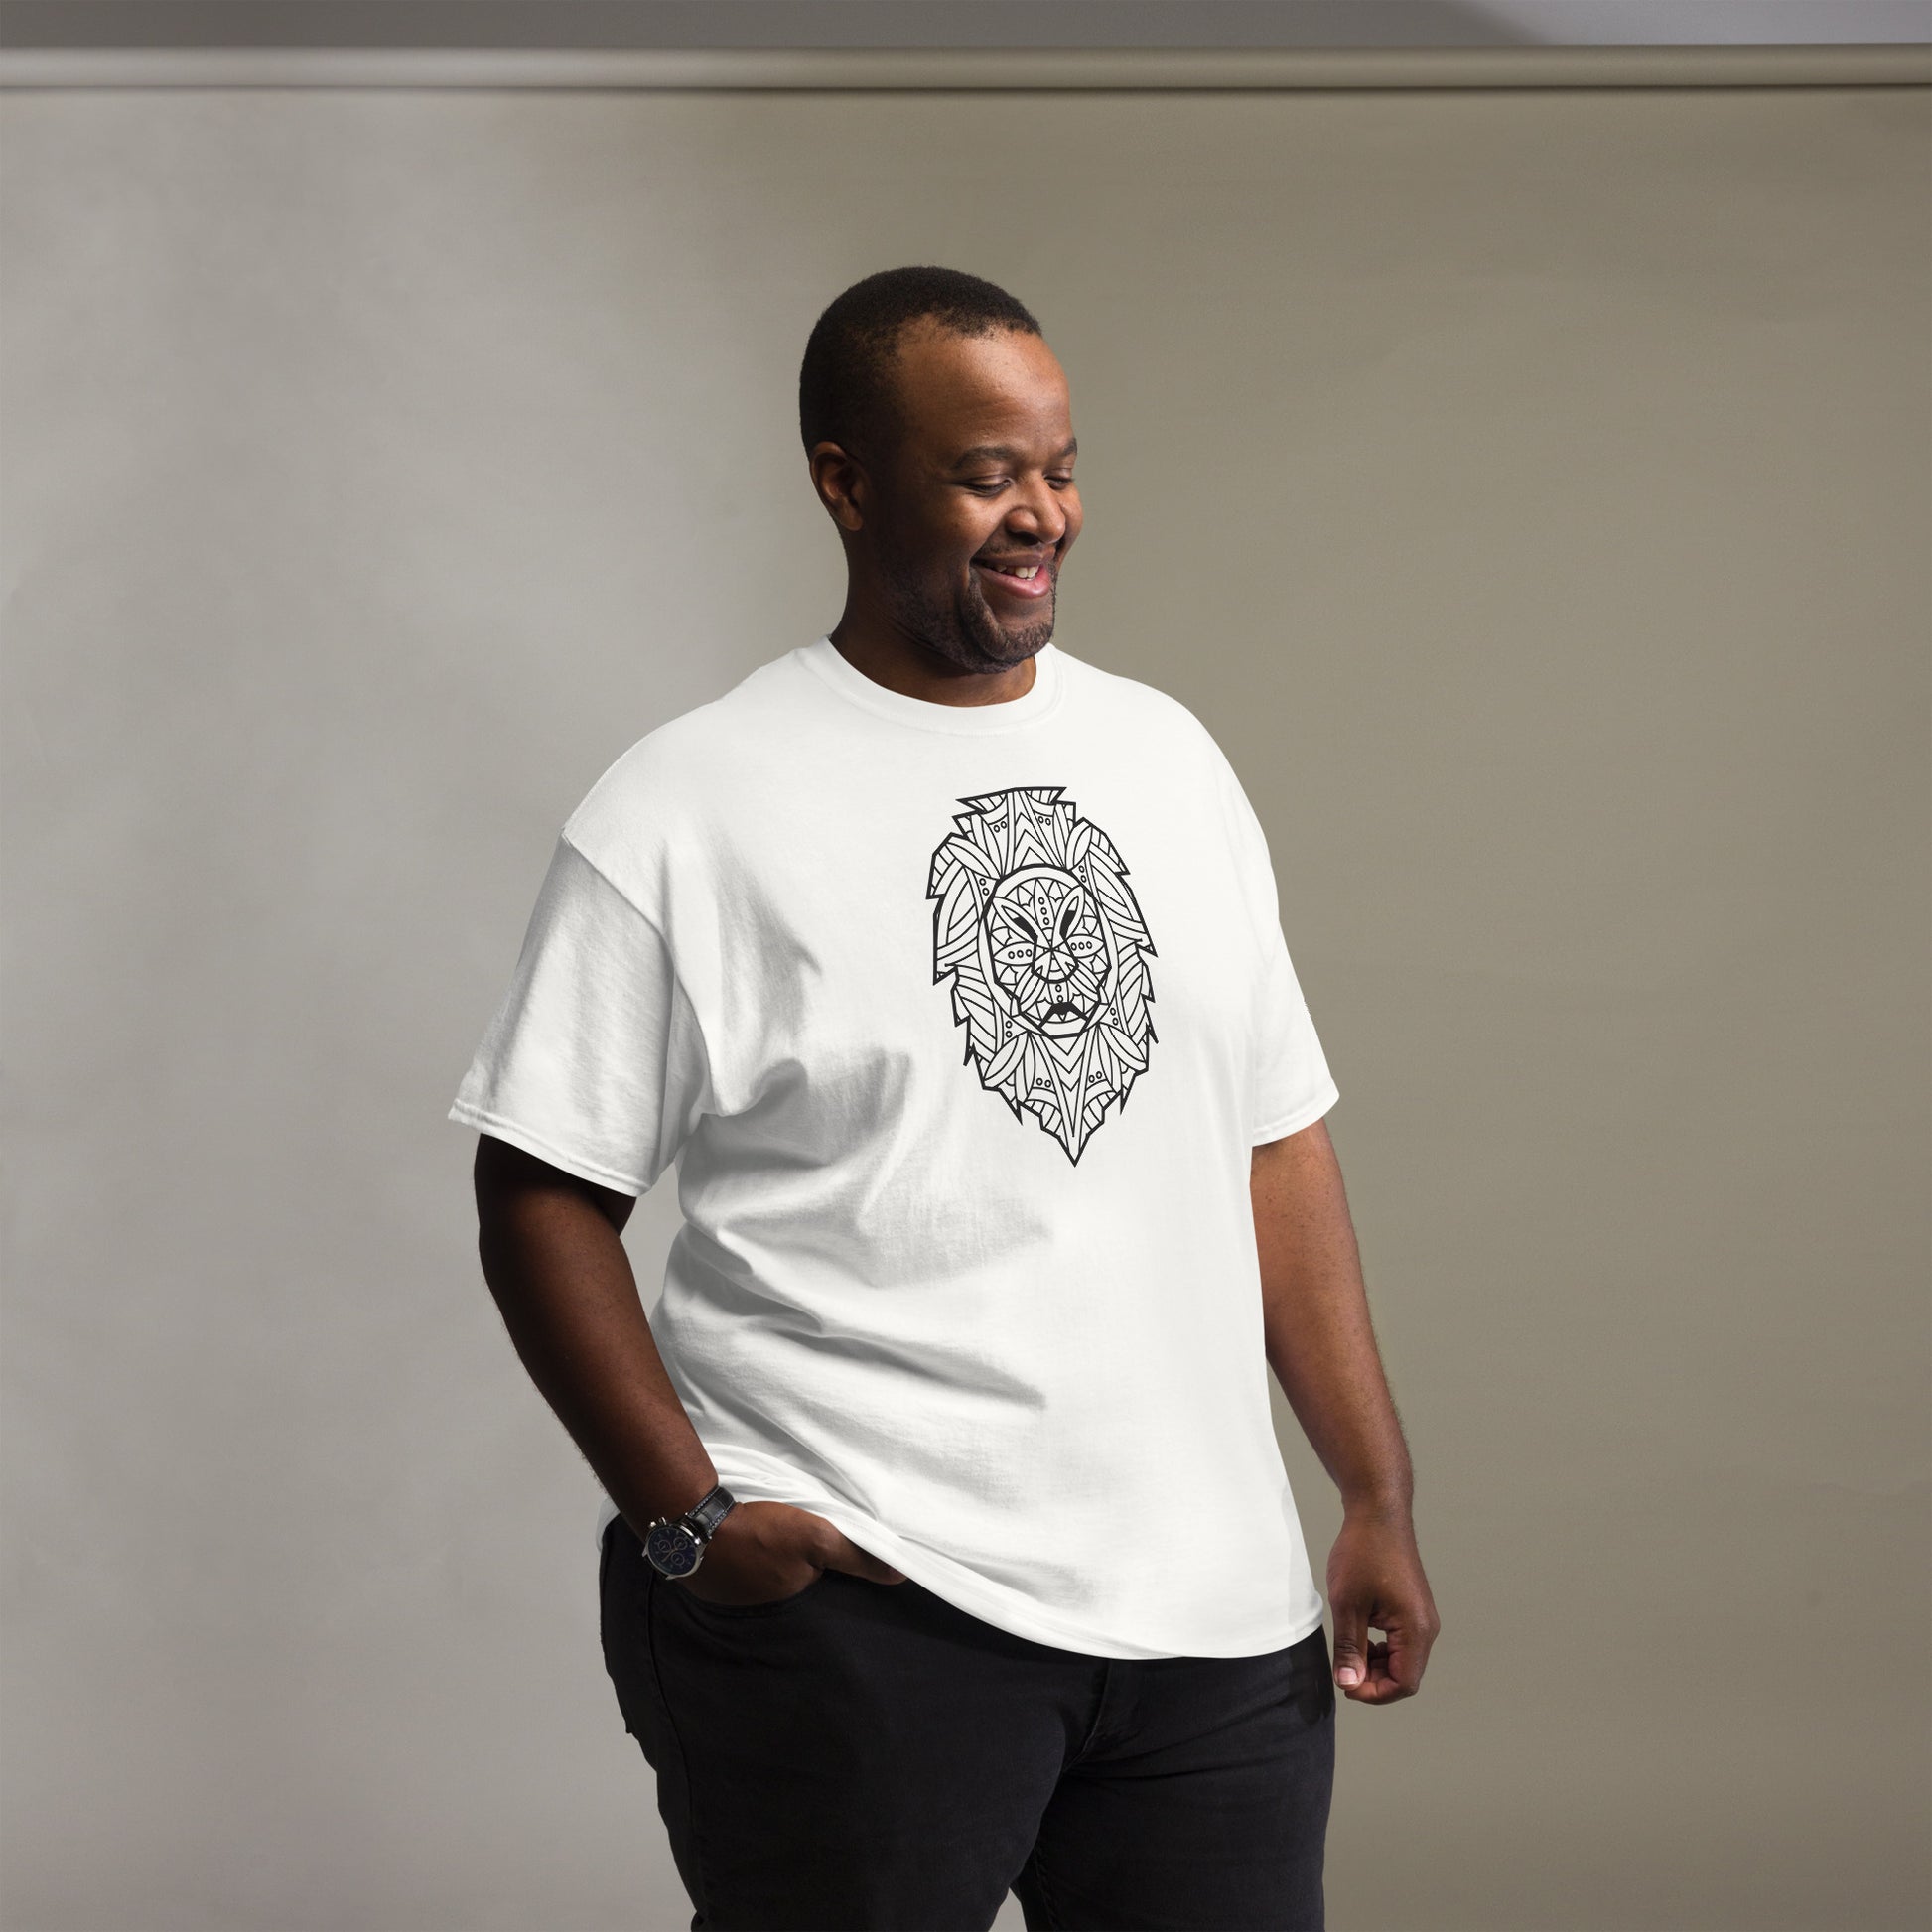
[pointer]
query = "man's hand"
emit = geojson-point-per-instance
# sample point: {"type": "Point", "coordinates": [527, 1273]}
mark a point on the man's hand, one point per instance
{"type": "Point", "coordinates": [1375, 1578]}
{"type": "Point", "coordinates": [764, 1552]}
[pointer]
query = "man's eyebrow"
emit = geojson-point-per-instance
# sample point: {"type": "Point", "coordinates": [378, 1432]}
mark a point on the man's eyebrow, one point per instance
{"type": "Point", "coordinates": [980, 451]}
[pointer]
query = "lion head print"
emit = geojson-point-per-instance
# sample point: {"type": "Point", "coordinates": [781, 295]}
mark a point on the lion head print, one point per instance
{"type": "Point", "coordinates": [1047, 952]}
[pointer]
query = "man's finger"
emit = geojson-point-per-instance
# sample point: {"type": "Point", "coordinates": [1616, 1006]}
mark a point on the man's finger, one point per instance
{"type": "Point", "coordinates": [1408, 1657]}
{"type": "Point", "coordinates": [1383, 1683]}
{"type": "Point", "coordinates": [1351, 1643]}
{"type": "Point", "coordinates": [862, 1563]}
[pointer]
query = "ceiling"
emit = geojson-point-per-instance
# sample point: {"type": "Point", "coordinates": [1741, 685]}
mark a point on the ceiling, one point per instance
{"type": "Point", "coordinates": [956, 23]}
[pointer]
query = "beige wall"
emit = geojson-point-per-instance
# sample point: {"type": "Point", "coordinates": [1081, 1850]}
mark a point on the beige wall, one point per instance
{"type": "Point", "coordinates": [1529, 489]}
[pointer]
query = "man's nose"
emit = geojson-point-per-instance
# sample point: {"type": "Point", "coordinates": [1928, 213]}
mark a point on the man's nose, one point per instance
{"type": "Point", "coordinates": [1041, 517]}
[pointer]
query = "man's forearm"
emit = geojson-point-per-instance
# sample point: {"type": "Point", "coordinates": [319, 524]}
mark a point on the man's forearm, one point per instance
{"type": "Point", "coordinates": [563, 1281]}
{"type": "Point", "coordinates": [1320, 1341]}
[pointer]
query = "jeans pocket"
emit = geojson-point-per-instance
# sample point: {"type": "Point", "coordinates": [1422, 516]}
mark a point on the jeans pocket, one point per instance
{"type": "Point", "coordinates": [736, 1611]}
{"type": "Point", "coordinates": [1312, 1675]}
{"type": "Point", "coordinates": [609, 1626]}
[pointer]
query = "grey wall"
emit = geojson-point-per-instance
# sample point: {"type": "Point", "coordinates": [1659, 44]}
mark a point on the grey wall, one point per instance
{"type": "Point", "coordinates": [1528, 488]}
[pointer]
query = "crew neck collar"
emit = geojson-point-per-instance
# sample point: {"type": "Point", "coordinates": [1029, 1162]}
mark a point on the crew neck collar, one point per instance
{"type": "Point", "coordinates": [1041, 700]}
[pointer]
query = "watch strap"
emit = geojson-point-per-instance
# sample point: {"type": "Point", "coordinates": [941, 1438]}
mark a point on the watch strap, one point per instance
{"type": "Point", "coordinates": [710, 1510]}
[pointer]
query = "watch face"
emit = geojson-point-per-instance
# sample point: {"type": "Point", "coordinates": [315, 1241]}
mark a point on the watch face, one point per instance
{"type": "Point", "coordinates": [673, 1548]}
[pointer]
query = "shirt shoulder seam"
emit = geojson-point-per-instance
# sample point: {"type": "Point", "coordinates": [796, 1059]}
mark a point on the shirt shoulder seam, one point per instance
{"type": "Point", "coordinates": [568, 840]}
{"type": "Point", "coordinates": [663, 939]}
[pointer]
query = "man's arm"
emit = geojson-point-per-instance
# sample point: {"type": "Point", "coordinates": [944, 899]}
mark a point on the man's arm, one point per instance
{"type": "Point", "coordinates": [1322, 1348]}
{"type": "Point", "coordinates": [550, 1251]}
{"type": "Point", "coordinates": [549, 1242]}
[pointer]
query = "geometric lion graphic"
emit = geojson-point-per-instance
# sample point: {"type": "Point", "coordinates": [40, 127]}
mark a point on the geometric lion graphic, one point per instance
{"type": "Point", "coordinates": [1047, 952]}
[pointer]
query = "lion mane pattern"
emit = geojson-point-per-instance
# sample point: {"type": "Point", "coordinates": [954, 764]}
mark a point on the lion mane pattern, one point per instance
{"type": "Point", "coordinates": [1044, 944]}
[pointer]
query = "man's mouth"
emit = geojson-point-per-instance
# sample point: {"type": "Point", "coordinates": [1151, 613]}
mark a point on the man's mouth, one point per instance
{"type": "Point", "coordinates": [1029, 576]}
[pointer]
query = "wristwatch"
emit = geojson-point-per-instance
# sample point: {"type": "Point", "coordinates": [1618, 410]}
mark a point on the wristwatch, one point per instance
{"type": "Point", "coordinates": [675, 1544]}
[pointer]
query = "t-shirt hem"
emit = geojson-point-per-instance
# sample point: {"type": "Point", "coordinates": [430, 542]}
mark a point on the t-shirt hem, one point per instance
{"type": "Point", "coordinates": [501, 1129]}
{"type": "Point", "coordinates": [960, 1588]}
{"type": "Point", "coordinates": [1303, 1116]}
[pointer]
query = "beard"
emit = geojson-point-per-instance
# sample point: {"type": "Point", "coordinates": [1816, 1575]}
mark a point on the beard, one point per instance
{"type": "Point", "coordinates": [963, 628]}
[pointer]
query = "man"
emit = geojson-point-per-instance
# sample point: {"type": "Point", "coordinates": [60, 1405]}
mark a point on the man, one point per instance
{"type": "Point", "coordinates": [947, 1546]}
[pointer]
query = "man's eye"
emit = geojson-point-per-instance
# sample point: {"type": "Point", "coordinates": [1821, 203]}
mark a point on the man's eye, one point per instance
{"type": "Point", "coordinates": [990, 489]}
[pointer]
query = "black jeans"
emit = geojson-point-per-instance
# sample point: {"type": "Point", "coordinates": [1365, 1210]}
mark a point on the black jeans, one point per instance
{"type": "Point", "coordinates": [867, 1755]}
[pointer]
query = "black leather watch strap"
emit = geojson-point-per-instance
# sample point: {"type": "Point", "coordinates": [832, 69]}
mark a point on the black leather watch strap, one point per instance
{"type": "Point", "coordinates": [710, 1510]}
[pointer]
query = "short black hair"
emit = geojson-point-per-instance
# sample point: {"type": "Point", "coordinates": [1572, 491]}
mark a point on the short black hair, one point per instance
{"type": "Point", "coordinates": [844, 384]}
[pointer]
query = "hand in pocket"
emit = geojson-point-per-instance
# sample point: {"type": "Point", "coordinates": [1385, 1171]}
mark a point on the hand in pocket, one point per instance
{"type": "Point", "coordinates": [765, 1552]}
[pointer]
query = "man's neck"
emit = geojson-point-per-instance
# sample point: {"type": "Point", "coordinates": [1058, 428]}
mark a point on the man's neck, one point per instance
{"type": "Point", "coordinates": [892, 661]}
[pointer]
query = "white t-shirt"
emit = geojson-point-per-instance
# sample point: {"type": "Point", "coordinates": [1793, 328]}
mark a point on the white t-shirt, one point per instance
{"type": "Point", "coordinates": [960, 1023]}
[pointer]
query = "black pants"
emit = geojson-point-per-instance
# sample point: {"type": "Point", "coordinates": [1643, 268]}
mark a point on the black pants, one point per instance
{"type": "Point", "coordinates": [867, 1756]}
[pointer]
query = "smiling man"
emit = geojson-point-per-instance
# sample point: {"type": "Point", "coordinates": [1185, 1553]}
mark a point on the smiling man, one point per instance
{"type": "Point", "coordinates": [946, 1545]}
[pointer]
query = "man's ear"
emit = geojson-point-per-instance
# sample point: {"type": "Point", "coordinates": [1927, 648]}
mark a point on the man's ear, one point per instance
{"type": "Point", "coordinates": [842, 484]}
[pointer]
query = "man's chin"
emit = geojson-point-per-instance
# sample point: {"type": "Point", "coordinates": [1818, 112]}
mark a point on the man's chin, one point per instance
{"type": "Point", "coordinates": [981, 643]}
{"type": "Point", "coordinates": [1035, 641]}
{"type": "Point", "coordinates": [1007, 648]}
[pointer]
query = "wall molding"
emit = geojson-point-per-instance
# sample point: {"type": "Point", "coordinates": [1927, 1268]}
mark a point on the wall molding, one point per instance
{"type": "Point", "coordinates": [925, 69]}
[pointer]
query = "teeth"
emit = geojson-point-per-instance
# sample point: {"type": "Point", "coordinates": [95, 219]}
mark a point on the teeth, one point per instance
{"type": "Point", "coordinates": [1031, 570]}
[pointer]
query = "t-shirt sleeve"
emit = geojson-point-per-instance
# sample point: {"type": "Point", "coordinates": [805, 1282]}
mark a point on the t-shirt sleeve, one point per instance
{"type": "Point", "coordinates": [1291, 1087]}
{"type": "Point", "coordinates": [595, 1060]}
